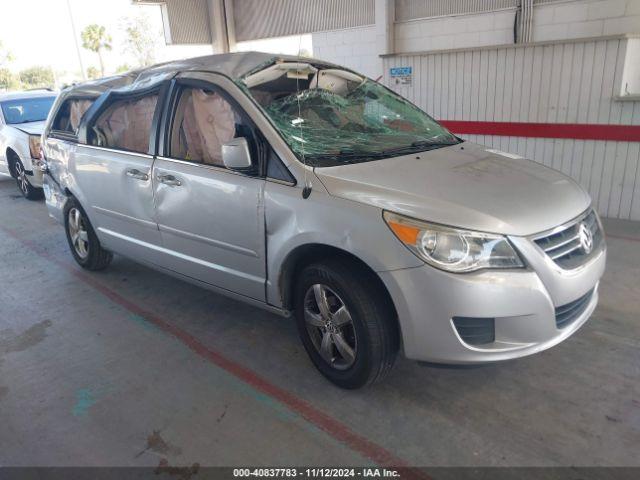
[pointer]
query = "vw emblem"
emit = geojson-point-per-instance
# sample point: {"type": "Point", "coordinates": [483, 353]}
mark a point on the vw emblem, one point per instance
{"type": "Point", "coordinates": [586, 238]}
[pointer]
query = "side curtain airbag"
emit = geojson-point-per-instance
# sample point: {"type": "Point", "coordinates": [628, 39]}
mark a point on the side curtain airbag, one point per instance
{"type": "Point", "coordinates": [128, 126]}
{"type": "Point", "coordinates": [209, 121]}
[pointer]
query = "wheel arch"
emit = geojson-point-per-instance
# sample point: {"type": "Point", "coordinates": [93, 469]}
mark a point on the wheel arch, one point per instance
{"type": "Point", "coordinates": [12, 156]}
{"type": "Point", "coordinates": [307, 254]}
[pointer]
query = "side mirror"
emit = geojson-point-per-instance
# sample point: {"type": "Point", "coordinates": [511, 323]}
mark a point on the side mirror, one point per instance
{"type": "Point", "coordinates": [236, 154]}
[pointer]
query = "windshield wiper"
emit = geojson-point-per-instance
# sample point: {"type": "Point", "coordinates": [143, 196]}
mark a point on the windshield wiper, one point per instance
{"type": "Point", "coordinates": [351, 155]}
{"type": "Point", "coordinates": [347, 155]}
{"type": "Point", "coordinates": [415, 147]}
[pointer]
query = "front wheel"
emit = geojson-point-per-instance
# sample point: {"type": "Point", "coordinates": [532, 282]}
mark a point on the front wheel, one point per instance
{"type": "Point", "coordinates": [84, 244]}
{"type": "Point", "coordinates": [28, 191]}
{"type": "Point", "coordinates": [346, 323]}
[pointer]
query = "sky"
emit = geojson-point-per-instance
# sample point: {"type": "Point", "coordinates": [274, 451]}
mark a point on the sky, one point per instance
{"type": "Point", "coordinates": [38, 32]}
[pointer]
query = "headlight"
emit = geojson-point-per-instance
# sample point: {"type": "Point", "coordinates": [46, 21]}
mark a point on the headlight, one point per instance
{"type": "Point", "coordinates": [451, 249]}
{"type": "Point", "coordinates": [34, 146]}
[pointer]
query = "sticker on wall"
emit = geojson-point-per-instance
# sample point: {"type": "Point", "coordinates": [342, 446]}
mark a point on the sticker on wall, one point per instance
{"type": "Point", "coordinates": [401, 75]}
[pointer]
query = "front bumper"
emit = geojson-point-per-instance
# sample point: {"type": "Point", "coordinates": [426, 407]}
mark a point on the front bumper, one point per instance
{"type": "Point", "coordinates": [522, 303]}
{"type": "Point", "coordinates": [36, 177]}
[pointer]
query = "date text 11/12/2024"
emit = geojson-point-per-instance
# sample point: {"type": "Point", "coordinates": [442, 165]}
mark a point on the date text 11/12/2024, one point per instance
{"type": "Point", "coordinates": [316, 472]}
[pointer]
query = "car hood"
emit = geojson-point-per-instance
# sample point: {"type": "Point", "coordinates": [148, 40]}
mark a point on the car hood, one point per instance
{"type": "Point", "coordinates": [465, 185]}
{"type": "Point", "coordinates": [32, 128]}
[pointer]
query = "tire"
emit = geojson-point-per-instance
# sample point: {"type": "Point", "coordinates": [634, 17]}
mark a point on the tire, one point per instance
{"type": "Point", "coordinates": [83, 242]}
{"type": "Point", "coordinates": [22, 179]}
{"type": "Point", "coordinates": [372, 335]}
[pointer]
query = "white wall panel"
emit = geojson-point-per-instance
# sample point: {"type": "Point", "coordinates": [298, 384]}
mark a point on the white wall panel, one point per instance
{"type": "Point", "coordinates": [562, 19]}
{"type": "Point", "coordinates": [460, 31]}
{"type": "Point", "coordinates": [565, 82]}
{"type": "Point", "coordinates": [354, 48]}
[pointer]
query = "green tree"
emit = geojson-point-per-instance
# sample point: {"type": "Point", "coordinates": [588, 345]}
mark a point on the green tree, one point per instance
{"type": "Point", "coordinates": [123, 68]}
{"type": "Point", "coordinates": [8, 80]}
{"type": "Point", "coordinates": [96, 39]}
{"type": "Point", "coordinates": [92, 73]}
{"type": "Point", "coordinates": [140, 40]}
{"type": "Point", "coordinates": [5, 55]}
{"type": "Point", "coordinates": [37, 77]}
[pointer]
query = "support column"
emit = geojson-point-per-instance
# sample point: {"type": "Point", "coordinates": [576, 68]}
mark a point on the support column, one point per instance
{"type": "Point", "coordinates": [223, 38]}
{"type": "Point", "coordinates": [385, 36]}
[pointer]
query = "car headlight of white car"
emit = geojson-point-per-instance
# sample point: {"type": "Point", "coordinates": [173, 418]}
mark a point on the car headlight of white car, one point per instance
{"type": "Point", "coordinates": [35, 150]}
{"type": "Point", "coordinates": [452, 249]}
{"type": "Point", "coordinates": [34, 146]}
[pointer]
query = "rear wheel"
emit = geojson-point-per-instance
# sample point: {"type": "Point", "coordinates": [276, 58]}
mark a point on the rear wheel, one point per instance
{"type": "Point", "coordinates": [346, 323]}
{"type": "Point", "coordinates": [22, 179]}
{"type": "Point", "coordinates": [84, 244]}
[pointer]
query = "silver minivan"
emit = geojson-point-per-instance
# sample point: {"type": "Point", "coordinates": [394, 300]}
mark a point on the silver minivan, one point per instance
{"type": "Point", "coordinates": [307, 189]}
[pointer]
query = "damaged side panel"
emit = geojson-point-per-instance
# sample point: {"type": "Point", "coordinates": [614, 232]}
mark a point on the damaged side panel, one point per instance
{"type": "Point", "coordinates": [293, 222]}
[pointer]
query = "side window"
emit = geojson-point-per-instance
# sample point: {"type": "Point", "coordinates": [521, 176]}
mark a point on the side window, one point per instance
{"type": "Point", "coordinates": [204, 120]}
{"type": "Point", "coordinates": [125, 124]}
{"type": "Point", "coordinates": [276, 169]}
{"type": "Point", "coordinates": [70, 114]}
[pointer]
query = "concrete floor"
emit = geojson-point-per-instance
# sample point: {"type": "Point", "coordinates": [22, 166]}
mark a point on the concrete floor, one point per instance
{"type": "Point", "coordinates": [128, 367]}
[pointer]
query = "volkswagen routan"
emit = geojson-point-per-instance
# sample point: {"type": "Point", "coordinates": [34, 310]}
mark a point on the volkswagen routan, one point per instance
{"type": "Point", "coordinates": [307, 189]}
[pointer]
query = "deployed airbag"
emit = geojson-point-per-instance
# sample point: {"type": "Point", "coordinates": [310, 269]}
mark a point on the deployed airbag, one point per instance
{"type": "Point", "coordinates": [208, 122]}
{"type": "Point", "coordinates": [128, 125]}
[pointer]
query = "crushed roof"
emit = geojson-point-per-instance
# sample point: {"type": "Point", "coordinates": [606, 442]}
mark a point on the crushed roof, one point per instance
{"type": "Point", "coordinates": [232, 65]}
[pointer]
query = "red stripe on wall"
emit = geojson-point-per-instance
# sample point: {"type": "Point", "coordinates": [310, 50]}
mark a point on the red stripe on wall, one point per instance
{"type": "Point", "coordinates": [616, 133]}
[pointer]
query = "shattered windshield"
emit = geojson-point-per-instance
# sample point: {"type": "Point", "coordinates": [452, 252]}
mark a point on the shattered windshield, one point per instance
{"type": "Point", "coordinates": [332, 117]}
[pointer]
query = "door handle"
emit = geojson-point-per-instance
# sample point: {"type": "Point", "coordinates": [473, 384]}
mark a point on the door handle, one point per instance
{"type": "Point", "coordinates": [137, 174]}
{"type": "Point", "coordinates": [169, 180]}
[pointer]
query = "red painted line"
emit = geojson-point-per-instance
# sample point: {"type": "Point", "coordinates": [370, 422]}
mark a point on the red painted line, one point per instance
{"type": "Point", "coordinates": [336, 429]}
{"type": "Point", "coordinates": [615, 133]}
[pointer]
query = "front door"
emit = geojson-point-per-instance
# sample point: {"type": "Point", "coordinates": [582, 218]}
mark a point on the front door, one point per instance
{"type": "Point", "coordinates": [211, 219]}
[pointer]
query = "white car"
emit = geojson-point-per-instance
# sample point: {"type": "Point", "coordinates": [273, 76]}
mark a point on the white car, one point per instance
{"type": "Point", "coordinates": [22, 117]}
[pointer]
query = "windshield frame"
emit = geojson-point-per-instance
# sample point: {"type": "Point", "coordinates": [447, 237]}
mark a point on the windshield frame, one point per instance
{"type": "Point", "coordinates": [331, 160]}
{"type": "Point", "coordinates": [21, 101]}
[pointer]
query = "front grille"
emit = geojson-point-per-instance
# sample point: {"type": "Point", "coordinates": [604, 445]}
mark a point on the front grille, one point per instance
{"type": "Point", "coordinates": [566, 314]}
{"type": "Point", "coordinates": [476, 331]}
{"type": "Point", "coordinates": [564, 246]}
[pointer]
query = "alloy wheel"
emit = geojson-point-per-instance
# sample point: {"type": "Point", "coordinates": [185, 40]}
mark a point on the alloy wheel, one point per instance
{"type": "Point", "coordinates": [330, 327]}
{"type": "Point", "coordinates": [21, 177]}
{"type": "Point", "coordinates": [78, 233]}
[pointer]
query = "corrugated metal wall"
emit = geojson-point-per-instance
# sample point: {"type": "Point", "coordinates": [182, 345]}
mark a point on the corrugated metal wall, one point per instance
{"type": "Point", "coordinates": [565, 82]}
{"type": "Point", "coordinates": [256, 19]}
{"type": "Point", "coordinates": [414, 9]}
{"type": "Point", "coordinates": [188, 22]}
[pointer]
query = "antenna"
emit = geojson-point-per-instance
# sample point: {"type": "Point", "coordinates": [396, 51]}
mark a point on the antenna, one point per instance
{"type": "Point", "coordinates": [306, 190]}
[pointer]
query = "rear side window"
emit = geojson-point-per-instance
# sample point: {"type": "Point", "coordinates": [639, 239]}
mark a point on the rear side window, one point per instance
{"type": "Point", "coordinates": [125, 124]}
{"type": "Point", "coordinates": [70, 114]}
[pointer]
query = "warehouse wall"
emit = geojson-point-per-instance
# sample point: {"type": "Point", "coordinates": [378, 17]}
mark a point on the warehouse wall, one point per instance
{"type": "Point", "coordinates": [586, 18]}
{"type": "Point", "coordinates": [354, 48]}
{"type": "Point", "coordinates": [494, 28]}
{"type": "Point", "coordinates": [570, 82]}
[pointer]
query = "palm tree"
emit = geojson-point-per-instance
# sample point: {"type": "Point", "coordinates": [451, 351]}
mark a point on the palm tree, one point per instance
{"type": "Point", "coordinates": [96, 39]}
